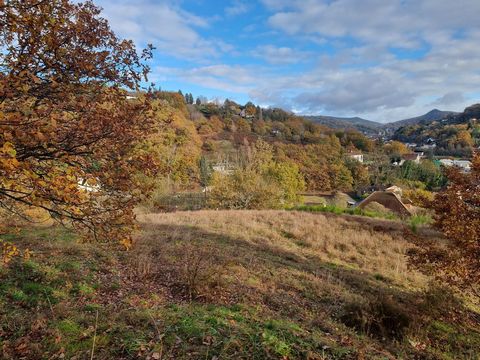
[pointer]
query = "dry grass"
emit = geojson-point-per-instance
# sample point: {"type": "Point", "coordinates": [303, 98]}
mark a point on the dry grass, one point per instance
{"type": "Point", "coordinates": [231, 285]}
{"type": "Point", "coordinates": [375, 246]}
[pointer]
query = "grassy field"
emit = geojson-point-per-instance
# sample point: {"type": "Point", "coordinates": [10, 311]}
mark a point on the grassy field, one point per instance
{"type": "Point", "coordinates": [232, 285]}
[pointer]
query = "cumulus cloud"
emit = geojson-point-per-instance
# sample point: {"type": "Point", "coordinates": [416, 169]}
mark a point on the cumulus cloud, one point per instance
{"type": "Point", "coordinates": [368, 77]}
{"type": "Point", "coordinates": [229, 78]}
{"type": "Point", "coordinates": [396, 22]}
{"type": "Point", "coordinates": [386, 59]}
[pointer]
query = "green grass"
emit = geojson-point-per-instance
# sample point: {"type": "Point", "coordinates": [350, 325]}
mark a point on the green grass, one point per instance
{"type": "Point", "coordinates": [228, 332]}
{"type": "Point", "coordinates": [415, 221]}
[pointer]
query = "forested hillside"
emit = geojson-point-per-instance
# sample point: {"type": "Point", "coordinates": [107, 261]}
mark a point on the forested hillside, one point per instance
{"type": "Point", "coordinates": [225, 134]}
{"type": "Point", "coordinates": [456, 134]}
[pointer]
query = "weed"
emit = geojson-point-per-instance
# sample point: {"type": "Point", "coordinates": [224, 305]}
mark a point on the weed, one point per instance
{"type": "Point", "coordinates": [415, 221]}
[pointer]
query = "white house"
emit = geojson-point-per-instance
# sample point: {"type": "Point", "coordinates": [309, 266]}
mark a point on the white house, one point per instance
{"type": "Point", "coordinates": [223, 168]}
{"type": "Point", "coordinates": [464, 165]}
{"type": "Point", "coordinates": [415, 157]}
{"type": "Point", "coordinates": [358, 157]}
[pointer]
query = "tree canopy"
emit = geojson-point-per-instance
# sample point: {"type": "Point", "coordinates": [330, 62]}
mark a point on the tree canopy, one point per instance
{"type": "Point", "coordinates": [457, 211]}
{"type": "Point", "coordinates": [66, 117]}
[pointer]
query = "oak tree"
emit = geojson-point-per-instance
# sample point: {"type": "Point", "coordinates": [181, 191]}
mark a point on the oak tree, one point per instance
{"type": "Point", "coordinates": [68, 126]}
{"type": "Point", "coordinates": [457, 210]}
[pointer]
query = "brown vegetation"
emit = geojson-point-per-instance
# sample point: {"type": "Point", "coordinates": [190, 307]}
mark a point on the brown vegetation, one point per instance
{"type": "Point", "coordinates": [232, 285]}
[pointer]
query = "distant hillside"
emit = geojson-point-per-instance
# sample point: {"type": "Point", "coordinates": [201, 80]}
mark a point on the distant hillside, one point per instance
{"type": "Point", "coordinates": [455, 134]}
{"type": "Point", "coordinates": [433, 115]}
{"type": "Point", "coordinates": [363, 125]}
{"type": "Point", "coordinates": [374, 128]}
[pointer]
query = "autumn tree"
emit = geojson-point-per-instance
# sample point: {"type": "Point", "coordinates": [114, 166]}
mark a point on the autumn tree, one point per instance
{"type": "Point", "coordinates": [173, 142]}
{"type": "Point", "coordinates": [261, 182]}
{"type": "Point", "coordinates": [68, 128]}
{"type": "Point", "coordinates": [457, 210]}
{"type": "Point", "coordinates": [396, 148]}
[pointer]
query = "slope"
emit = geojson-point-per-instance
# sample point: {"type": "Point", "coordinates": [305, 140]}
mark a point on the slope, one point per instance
{"type": "Point", "coordinates": [433, 115]}
{"type": "Point", "coordinates": [230, 285]}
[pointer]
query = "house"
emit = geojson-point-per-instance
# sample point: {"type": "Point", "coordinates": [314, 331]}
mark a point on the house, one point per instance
{"type": "Point", "coordinates": [428, 146]}
{"type": "Point", "coordinates": [223, 168]}
{"type": "Point", "coordinates": [464, 165]}
{"type": "Point", "coordinates": [245, 115]}
{"type": "Point", "coordinates": [356, 156]}
{"type": "Point", "coordinates": [415, 157]}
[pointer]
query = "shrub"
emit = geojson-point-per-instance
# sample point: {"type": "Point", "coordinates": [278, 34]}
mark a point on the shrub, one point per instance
{"type": "Point", "coordinates": [418, 197]}
{"type": "Point", "coordinates": [199, 268]}
{"type": "Point", "coordinates": [244, 189]}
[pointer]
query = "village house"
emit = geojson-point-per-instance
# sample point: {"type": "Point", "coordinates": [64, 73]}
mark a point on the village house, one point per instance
{"type": "Point", "coordinates": [356, 156]}
{"type": "Point", "coordinates": [416, 157]}
{"type": "Point", "coordinates": [223, 168]}
{"type": "Point", "coordinates": [464, 165]}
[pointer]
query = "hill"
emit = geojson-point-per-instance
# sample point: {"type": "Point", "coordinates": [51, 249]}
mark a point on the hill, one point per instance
{"type": "Point", "coordinates": [362, 125]}
{"type": "Point", "coordinates": [369, 127]}
{"type": "Point", "coordinates": [433, 115]}
{"type": "Point", "coordinates": [231, 285]}
{"type": "Point", "coordinates": [456, 134]}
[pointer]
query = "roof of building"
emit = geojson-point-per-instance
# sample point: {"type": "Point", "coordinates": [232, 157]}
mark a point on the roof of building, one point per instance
{"type": "Point", "coordinates": [410, 156]}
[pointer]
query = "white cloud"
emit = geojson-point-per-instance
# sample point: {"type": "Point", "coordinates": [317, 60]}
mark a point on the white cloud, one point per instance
{"type": "Point", "coordinates": [236, 79]}
{"type": "Point", "coordinates": [237, 8]}
{"type": "Point", "coordinates": [359, 76]}
{"type": "Point", "coordinates": [450, 98]}
{"type": "Point", "coordinates": [401, 23]}
{"type": "Point", "coordinates": [169, 28]}
{"type": "Point", "coordinates": [280, 55]}
{"type": "Point", "coordinates": [368, 78]}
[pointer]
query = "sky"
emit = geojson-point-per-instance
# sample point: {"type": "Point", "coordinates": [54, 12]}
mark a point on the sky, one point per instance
{"type": "Point", "coordinates": [383, 60]}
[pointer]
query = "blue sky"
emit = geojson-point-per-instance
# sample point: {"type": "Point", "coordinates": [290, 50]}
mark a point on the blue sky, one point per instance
{"type": "Point", "coordinates": [380, 59]}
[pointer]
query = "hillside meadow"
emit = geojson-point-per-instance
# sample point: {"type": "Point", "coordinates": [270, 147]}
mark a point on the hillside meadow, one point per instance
{"type": "Point", "coordinates": [232, 285]}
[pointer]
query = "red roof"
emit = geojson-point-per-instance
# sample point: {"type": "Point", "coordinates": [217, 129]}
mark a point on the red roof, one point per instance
{"type": "Point", "coordinates": [410, 156]}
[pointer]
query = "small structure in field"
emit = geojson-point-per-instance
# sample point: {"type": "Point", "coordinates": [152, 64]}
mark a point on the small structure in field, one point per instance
{"type": "Point", "coordinates": [391, 199]}
{"type": "Point", "coordinates": [330, 198]}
